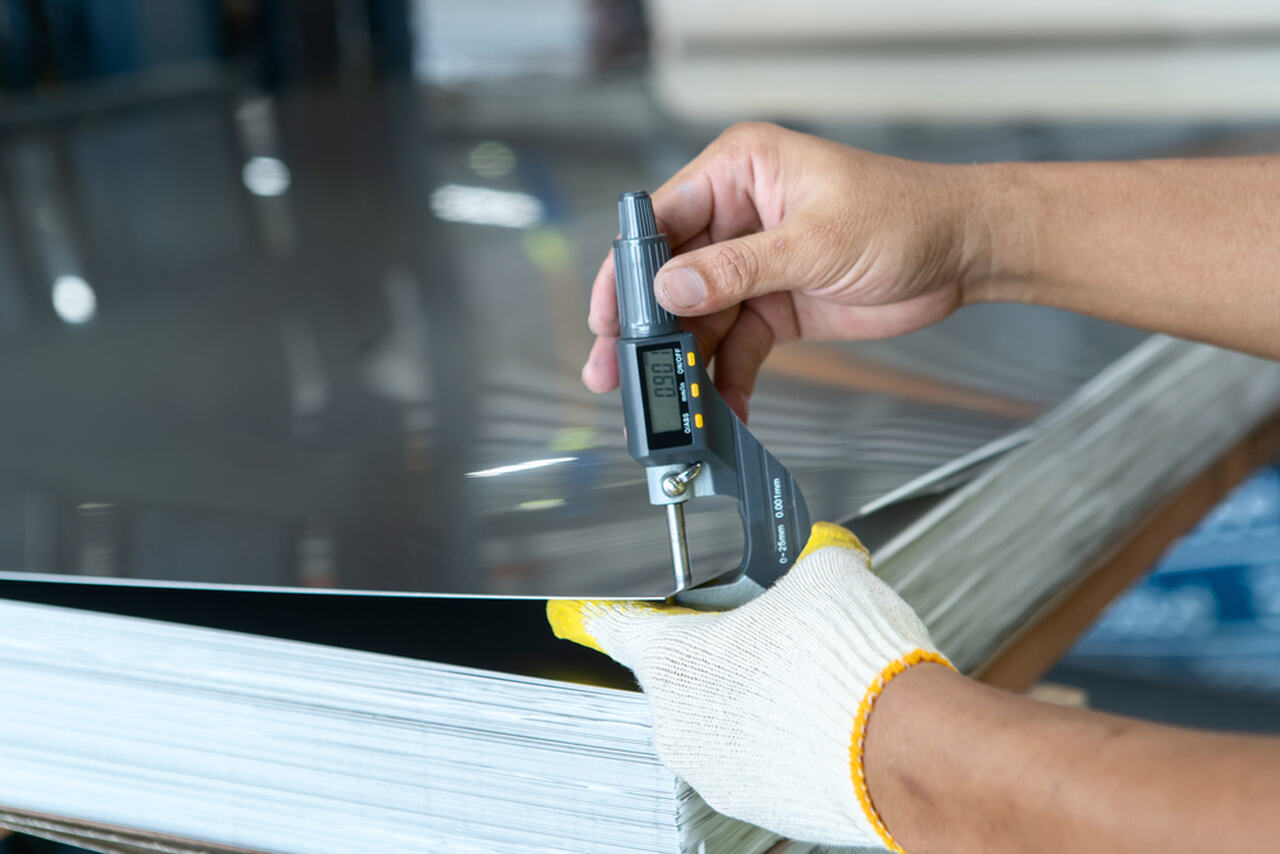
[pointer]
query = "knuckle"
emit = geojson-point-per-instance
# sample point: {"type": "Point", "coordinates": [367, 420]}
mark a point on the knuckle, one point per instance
{"type": "Point", "coordinates": [749, 131]}
{"type": "Point", "coordinates": [823, 249]}
{"type": "Point", "coordinates": [735, 269]}
{"type": "Point", "coordinates": [824, 232]}
{"type": "Point", "coordinates": [779, 243]}
{"type": "Point", "coordinates": [746, 138]}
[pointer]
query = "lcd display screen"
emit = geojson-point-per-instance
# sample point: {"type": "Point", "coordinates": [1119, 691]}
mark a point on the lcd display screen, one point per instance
{"type": "Point", "coordinates": [662, 391]}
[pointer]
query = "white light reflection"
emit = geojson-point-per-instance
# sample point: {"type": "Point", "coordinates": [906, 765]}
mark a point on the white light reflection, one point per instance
{"type": "Point", "coordinates": [74, 300]}
{"type": "Point", "coordinates": [540, 504]}
{"type": "Point", "coordinates": [483, 206]}
{"type": "Point", "coordinates": [266, 176]}
{"type": "Point", "coordinates": [515, 467]}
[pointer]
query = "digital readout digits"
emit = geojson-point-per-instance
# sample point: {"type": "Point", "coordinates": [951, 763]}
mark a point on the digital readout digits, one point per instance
{"type": "Point", "coordinates": [662, 387]}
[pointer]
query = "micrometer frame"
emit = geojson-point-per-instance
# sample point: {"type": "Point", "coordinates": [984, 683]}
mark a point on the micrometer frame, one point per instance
{"type": "Point", "coordinates": [733, 464]}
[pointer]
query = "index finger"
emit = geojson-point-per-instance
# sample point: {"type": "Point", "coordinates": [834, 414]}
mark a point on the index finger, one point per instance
{"type": "Point", "coordinates": [602, 316]}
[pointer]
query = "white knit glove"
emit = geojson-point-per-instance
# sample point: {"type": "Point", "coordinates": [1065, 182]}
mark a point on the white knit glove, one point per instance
{"type": "Point", "coordinates": [762, 709]}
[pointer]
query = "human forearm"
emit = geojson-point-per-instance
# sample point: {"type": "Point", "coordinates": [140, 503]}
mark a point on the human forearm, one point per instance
{"type": "Point", "coordinates": [1187, 247]}
{"type": "Point", "coordinates": [954, 766]}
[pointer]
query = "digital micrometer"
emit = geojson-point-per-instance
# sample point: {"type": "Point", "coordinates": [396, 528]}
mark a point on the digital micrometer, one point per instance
{"type": "Point", "coordinates": [690, 442]}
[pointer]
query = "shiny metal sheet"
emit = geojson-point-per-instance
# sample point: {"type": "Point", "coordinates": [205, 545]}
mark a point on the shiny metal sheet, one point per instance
{"type": "Point", "coordinates": [343, 381]}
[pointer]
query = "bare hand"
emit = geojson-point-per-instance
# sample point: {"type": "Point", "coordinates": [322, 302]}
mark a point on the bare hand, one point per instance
{"type": "Point", "coordinates": [780, 236]}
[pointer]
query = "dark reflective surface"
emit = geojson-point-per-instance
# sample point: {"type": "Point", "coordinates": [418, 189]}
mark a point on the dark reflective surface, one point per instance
{"type": "Point", "coordinates": [267, 342]}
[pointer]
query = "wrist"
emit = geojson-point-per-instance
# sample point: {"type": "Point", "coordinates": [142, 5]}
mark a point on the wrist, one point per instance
{"type": "Point", "coordinates": [902, 739]}
{"type": "Point", "coordinates": [1000, 227]}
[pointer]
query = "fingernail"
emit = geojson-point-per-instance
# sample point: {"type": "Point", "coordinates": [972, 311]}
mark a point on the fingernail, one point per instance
{"type": "Point", "coordinates": [683, 287]}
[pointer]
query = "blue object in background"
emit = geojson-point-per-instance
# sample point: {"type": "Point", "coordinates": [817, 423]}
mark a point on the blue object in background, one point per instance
{"type": "Point", "coordinates": [1208, 615]}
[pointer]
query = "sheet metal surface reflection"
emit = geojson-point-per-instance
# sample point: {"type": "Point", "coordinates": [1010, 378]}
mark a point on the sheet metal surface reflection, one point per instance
{"type": "Point", "coordinates": [315, 376]}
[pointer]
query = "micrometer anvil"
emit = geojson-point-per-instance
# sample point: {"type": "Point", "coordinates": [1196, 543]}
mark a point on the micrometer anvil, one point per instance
{"type": "Point", "coordinates": [690, 442]}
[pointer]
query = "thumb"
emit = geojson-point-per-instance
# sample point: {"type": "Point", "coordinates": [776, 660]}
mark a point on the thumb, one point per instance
{"type": "Point", "coordinates": [724, 274]}
{"type": "Point", "coordinates": [621, 630]}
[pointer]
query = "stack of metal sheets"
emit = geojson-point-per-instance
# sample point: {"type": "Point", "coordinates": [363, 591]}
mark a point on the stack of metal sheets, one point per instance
{"type": "Point", "coordinates": [183, 733]}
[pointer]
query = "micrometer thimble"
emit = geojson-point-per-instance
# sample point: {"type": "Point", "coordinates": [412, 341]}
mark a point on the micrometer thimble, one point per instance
{"type": "Point", "coordinates": [638, 253]}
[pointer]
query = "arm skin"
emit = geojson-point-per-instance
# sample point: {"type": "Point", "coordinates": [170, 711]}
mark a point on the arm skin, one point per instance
{"type": "Point", "coordinates": [798, 238]}
{"type": "Point", "coordinates": [1186, 247]}
{"type": "Point", "coordinates": [954, 766]}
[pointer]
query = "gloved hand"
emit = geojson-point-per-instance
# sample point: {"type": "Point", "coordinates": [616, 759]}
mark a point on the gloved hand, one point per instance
{"type": "Point", "coordinates": [763, 709]}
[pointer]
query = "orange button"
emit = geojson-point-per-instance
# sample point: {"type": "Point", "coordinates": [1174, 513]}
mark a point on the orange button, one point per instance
{"type": "Point", "coordinates": [690, 358]}
{"type": "Point", "coordinates": [697, 420]}
{"type": "Point", "coordinates": [693, 389]}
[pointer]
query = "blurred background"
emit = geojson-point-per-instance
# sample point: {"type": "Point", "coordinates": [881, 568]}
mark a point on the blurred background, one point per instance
{"type": "Point", "coordinates": [367, 172]}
